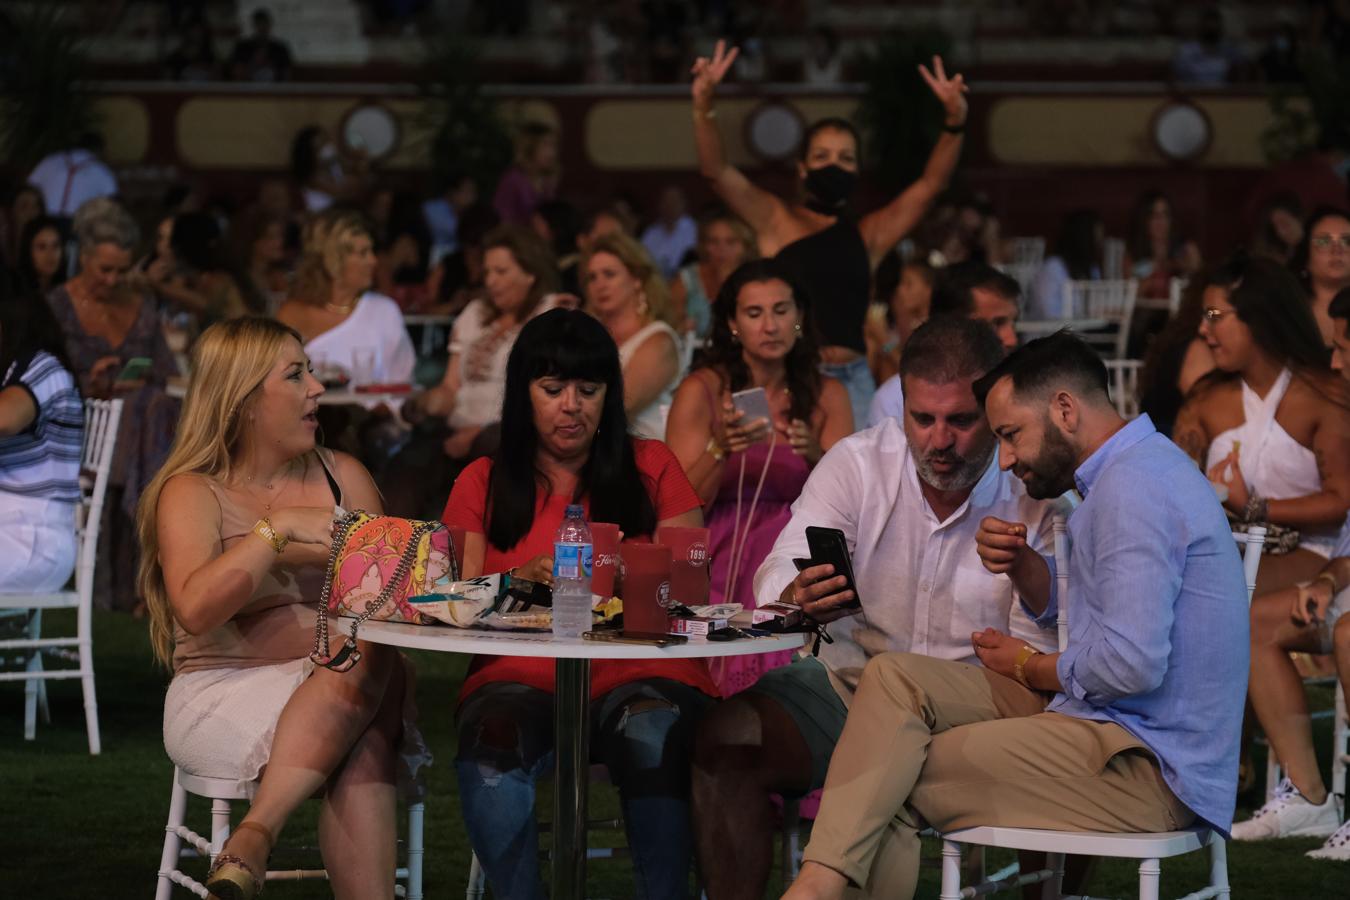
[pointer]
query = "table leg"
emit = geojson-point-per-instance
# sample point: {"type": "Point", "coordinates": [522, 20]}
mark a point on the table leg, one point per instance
{"type": "Point", "coordinates": [572, 734]}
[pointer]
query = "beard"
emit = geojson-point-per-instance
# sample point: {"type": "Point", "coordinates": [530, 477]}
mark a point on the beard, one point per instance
{"type": "Point", "coordinates": [967, 471]}
{"type": "Point", "coordinates": [1050, 474]}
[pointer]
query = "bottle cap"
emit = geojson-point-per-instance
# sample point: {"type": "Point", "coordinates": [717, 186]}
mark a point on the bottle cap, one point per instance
{"type": "Point", "coordinates": [575, 510]}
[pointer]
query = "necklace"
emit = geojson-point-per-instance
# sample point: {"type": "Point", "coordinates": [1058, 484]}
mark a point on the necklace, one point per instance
{"type": "Point", "coordinates": [344, 310]}
{"type": "Point", "coordinates": [268, 486]}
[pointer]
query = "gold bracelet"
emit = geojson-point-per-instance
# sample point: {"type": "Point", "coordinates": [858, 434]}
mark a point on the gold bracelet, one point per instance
{"type": "Point", "coordinates": [1329, 579]}
{"type": "Point", "coordinates": [264, 530]}
{"type": "Point", "coordinates": [715, 450]}
{"type": "Point", "coordinates": [1020, 662]}
{"type": "Point", "coordinates": [705, 113]}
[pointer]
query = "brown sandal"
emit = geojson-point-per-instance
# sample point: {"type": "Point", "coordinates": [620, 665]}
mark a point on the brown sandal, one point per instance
{"type": "Point", "coordinates": [231, 878]}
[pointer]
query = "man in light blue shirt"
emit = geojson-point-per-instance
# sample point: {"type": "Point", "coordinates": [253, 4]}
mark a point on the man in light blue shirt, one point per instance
{"type": "Point", "coordinates": [1133, 727]}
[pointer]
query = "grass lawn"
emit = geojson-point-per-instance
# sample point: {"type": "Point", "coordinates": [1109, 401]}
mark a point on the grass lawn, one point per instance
{"type": "Point", "coordinates": [110, 809]}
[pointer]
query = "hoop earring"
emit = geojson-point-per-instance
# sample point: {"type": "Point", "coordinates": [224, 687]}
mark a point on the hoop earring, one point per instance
{"type": "Point", "coordinates": [797, 328]}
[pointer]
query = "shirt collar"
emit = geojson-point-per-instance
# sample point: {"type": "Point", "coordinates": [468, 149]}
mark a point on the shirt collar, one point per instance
{"type": "Point", "coordinates": [1091, 469]}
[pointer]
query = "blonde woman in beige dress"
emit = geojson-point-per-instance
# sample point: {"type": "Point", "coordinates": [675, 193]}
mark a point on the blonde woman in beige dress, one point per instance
{"type": "Point", "coordinates": [235, 531]}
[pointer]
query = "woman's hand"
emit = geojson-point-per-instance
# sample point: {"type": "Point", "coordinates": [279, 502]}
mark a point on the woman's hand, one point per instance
{"type": "Point", "coordinates": [1228, 472]}
{"type": "Point", "coordinates": [737, 436]}
{"type": "Point", "coordinates": [1311, 602]}
{"type": "Point", "coordinates": [708, 74]}
{"type": "Point", "coordinates": [804, 441]}
{"type": "Point", "coordinates": [102, 375]}
{"type": "Point", "coordinates": [951, 92]}
{"type": "Point", "coordinates": [538, 570]}
{"type": "Point", "coordinates": [306, 524]}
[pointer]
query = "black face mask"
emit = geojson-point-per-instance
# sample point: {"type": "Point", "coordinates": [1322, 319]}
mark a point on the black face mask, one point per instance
{"type": "Point", "coordinates": [829, 188]}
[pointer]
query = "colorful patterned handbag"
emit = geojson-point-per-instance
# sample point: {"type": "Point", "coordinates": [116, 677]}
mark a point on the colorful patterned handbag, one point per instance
{"type": "Point", "coordinates": [375, 565]}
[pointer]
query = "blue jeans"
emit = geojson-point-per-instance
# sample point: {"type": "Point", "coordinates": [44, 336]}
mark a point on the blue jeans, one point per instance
{"type": "Point", "coordinates": [641, 731]}
{"type": "Point", "coordinates": [857, 378]}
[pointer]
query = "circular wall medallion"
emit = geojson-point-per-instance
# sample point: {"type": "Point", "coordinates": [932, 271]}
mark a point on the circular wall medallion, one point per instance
{"type": "Point", "coordinates": [372, 129]}
{"type": "Point", "coordinates": [773, 130]}
{"type": "Point", "coordinates": [1181, 131]}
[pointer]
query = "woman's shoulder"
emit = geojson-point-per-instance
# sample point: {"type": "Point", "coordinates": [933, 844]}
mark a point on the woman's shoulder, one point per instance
{"type": "Point", "coordinates": [1321, 392]}
{"type": "Point", "coordinates": [191, 491]}
{"type": "Point", "coordinates": [377, 305]}
{"type": "Point", "coordinates": [652, 456]}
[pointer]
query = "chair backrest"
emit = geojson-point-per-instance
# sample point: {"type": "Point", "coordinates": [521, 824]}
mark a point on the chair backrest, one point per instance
{"type": "Point", "coordinates": [1027, 251]}
{"type": "Point", "coordinates": [1124, 379]}
{"type": "Point", "coordinates": [1175, 288]}
{"type": "Point", "coordinates": [1061, 532]}
{"type": "Point", "coordinates": [101, 419]}
{"type": "Point", "coordinates": [1111, 300]}
{"type": "Point", "coordinates": [1252, 543]}
{"type": "Point", "coordinates": [1113, 258]}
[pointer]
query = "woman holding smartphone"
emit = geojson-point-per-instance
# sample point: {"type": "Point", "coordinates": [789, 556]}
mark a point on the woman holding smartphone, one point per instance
{"type": "Point", "coordinates": [565, 440]}
{"type": "Point", "coordinates": [747, 425]}
{"type": "Point", "coordinates": [116, 345]}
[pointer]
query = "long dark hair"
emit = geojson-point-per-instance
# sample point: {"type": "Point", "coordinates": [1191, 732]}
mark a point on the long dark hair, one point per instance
{"type": "Point", "coordinates": [29, 282]}
{"type": "Point", "coordinates": [197, 243]}
{"type": "Point", "coordinates": [1267, 299]}
{"type": "Point", "coordinates": [1141, 244]}
{"type": "Point", "coordinates": [724, 354]}
{"type": "Point", "coordinates": [565, 344]}
{"type": "Point", "coordinates": [1159, 395]}
{"type": "Point", "coordinates": [1077, 244]}
{"type": "Point", "coordinates": [27, 326]}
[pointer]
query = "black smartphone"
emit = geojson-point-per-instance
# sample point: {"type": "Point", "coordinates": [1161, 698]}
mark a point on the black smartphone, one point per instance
{"type": "Point", "coordinates": [828, 545]}
{"type": "Point", "coordinates": [650, 638]}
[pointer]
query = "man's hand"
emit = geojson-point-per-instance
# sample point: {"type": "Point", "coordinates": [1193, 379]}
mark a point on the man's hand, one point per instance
{"type": "Point", "coordinates": [996, 650]}
{"type": "Point", "coordinates": [1000, 544]}
{"type": "Point", "coordinates": [820, 596]}
{"type": "Point", "coordinates": [1311, 602]}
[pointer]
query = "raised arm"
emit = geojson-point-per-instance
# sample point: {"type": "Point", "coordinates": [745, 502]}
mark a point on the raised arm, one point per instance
{"type": "Point", "coordinates": [884, 228]}
{"type": "Point", "coordinates": [758, 207]}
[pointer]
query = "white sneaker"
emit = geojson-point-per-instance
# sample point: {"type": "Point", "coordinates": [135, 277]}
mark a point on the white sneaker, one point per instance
{"type": "Point", "coordinates": [1289, 814]}
{"type": "Point", "coordinates": [1337, 846]}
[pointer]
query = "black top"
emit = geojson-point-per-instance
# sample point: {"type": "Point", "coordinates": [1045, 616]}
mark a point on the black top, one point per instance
{"type": "Point", "coordinates": [833, 266]}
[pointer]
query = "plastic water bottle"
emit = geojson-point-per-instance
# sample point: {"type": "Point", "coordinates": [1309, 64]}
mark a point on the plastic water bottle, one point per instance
{"type": "Point", "coordinates": [572, 575]}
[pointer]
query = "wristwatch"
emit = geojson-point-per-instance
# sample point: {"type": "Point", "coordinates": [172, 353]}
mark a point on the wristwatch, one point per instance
{"type": "Point", "coordinates": [715, 450]}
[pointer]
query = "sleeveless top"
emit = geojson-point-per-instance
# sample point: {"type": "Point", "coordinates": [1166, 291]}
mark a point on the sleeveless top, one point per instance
{"type": "Point", "coordinates": [1274, 465]}
{"type": "Point", "coordinates": [650, 421]}
{"type": "Point", "coordinates": [697, 306]}
{"type": "Point", "coordinates": [833, 267]}
{"type": "Point", "coordinates": [277, 624]}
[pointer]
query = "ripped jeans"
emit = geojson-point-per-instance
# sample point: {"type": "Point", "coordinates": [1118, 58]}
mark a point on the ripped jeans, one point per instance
{"type": "Point", "coordinates": [641, 731]}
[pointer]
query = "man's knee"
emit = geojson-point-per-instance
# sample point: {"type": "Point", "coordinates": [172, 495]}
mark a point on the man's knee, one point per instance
{"type": "Point", "coordinates": [726, 734]}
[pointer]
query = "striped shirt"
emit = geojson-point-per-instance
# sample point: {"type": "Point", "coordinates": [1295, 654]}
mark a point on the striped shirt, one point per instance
{"type": "Point", "coordinates": [43, 461]}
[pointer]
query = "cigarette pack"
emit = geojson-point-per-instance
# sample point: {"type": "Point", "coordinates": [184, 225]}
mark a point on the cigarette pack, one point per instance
{"type": "Point", "coordinates": [779, 615]}
{"type": "Point", "coordinates": [697, 624]}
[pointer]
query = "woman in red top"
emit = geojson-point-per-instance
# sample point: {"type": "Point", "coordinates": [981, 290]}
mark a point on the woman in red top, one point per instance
{"type": "Point", "coordinates": [565, 440]}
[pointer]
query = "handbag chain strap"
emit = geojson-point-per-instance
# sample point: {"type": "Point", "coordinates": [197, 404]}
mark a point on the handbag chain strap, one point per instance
{"type": "Point", "coordinates": [349, 655]}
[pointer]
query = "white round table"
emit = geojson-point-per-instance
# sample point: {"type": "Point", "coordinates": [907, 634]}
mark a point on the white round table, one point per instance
{"type": "Point", "coordinates": [571, 707]}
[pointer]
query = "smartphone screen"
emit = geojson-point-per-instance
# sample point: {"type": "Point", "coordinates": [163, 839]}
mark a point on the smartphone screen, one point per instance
{"type": "Point", "coordinates": [752, 404]}
{"type": "Point", "coordinates": [828, 545]}
{"type": "Point", "coordinates": [135, 369]}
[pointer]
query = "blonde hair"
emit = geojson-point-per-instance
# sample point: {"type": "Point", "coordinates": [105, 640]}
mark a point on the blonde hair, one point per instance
{"type": "Point", "coordinates": [743, 232]}
{"type": "Point", "coordinates": [328, 238]}
{"type": "Point", "coordinates": [229, 362]}
{"type": "Point", "coordinates": [638, 262]}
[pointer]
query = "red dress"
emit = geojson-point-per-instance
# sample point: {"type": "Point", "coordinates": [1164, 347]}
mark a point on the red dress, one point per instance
{"type": "Point", "coordinates": [671, 494]}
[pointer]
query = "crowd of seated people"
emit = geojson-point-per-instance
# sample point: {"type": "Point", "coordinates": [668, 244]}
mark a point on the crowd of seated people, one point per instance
{"type": "Point", "coordinates": [587, 365]}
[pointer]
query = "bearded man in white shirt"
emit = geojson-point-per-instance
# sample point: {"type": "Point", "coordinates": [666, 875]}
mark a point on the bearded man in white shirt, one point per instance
{"type": "Point", "coordinates": [929, 521]}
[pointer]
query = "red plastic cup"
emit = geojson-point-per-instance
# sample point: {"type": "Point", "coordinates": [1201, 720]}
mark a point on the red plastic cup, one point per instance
{"type": "Point", "coordinates": [604, 558]}
{"type": "Point", "coordinates": [689, 564]}
{"type": "Point", "coordinates": [646, 586]}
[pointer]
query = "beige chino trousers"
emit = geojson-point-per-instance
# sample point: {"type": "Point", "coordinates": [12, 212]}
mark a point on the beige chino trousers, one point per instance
{"type": "Point", "coordinates": [955, 745]}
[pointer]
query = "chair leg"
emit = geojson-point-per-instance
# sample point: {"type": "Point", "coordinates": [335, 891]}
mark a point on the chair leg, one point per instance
{"type": "Point", "coordinates": [1218, 866]}
{"type": "Point", "coordinates": [90, 698]}
{"type": "Point", "coordinates": [477, 879]}
{"type": "Point", "coordinates": [33, 686]}
{"type": "Point", "coordinates": [1054, 887]}
{"type": "Point", "coordinates": [220, 826]}
{"type": "Point", "coordinates": [951, 871]}
{"type": "Point", "coordinates": [416, 849]}
{"type": "Point", "coordinates": [1149, 873]}
{"type": "Point", "coordinates": [173, 844]}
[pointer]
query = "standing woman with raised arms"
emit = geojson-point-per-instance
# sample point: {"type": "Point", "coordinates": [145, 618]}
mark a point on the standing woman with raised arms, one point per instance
{"type": "Point", "coordinates": [828, 249]}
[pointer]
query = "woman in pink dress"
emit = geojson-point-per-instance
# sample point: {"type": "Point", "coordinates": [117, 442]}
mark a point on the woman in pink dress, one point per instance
{"type": "Point", "coordinates": [748, 472]}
